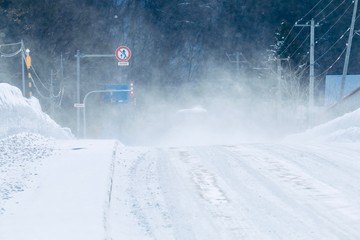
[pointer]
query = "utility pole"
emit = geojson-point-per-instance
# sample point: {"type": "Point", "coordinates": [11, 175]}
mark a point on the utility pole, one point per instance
{"type": "Point", "coordinates": [78, 57]}
{"type": "Point", "coordinates": [237, 61]}
{"type": "Point", "coordinates": [279, 83]}
{"type": "Point", "coordinates": [348, 49]}
{"type": "Point", "coordinates": [279, 78]}
{"type": "Point", "coordinates": [52, 99]}
{"type": "Point", "coordinates": [78, 92]}
{"type": "Point", "coordinates": [23, 67]}
{"type": "Point", "coordinates": [312, 52]}
{"type": "Point", "coordinates": [237, 64]}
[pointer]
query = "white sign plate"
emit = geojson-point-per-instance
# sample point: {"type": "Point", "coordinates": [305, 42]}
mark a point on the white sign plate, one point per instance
{"type": "Point", "coordinates": [79, 105]}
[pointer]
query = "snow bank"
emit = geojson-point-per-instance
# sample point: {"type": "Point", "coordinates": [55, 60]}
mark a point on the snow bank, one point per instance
{"type": "Point", "coordinates": [20, 157]}
{"type": "Point", "coordinates": [343, 129]}
{"type": "Point", "coordinates": [19, 114]}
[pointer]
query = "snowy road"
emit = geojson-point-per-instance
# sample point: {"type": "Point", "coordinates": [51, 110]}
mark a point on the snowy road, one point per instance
{"type": "Point", "coordinates": [86, 189]}
{"type": "Point", "coordinates": [254, 191]}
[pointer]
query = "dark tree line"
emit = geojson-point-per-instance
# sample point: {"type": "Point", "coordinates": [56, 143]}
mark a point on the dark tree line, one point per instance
{"type": "Point", "coordinates": [173, 42]}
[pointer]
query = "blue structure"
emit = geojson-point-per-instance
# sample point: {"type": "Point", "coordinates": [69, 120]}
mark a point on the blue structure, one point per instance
{"type": "Point", "coordinates": [117, 97]}
{"type": "Point", "coordinates": [333, 85]}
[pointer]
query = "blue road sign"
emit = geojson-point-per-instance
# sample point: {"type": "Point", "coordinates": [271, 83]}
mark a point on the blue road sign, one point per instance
{"type": "Point", "coordinates": [117, 97]}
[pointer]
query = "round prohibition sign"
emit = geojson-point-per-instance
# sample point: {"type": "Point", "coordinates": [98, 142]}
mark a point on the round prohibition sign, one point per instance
{"type": "Point", "coordinates": [123, 53]}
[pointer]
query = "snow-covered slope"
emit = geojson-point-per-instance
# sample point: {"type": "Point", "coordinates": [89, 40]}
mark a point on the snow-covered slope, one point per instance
{"type": "Point", "coordinates": [342, 129]}
{"type": "Point", "coordinates": [19, 114]}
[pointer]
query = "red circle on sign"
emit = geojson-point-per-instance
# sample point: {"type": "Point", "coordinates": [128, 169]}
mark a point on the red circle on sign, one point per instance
{"type": "Point", "coordinates": [123, 53]}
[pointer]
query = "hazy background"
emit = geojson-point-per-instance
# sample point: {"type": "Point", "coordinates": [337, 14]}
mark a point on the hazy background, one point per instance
{"type": "Point", "coordinates": [184, 56]}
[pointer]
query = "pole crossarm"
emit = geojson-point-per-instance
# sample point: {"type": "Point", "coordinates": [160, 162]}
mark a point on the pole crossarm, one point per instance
{"type": "Point", "coordinates": [9, 55]}
{"type": "Point", "coordinates": [96, 55]}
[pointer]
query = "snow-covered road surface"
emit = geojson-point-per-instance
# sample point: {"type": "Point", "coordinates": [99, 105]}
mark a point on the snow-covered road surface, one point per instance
{"type": "Point", "coordinates": [253, 191]}
{"type": "Point", "coordinates": [65, 196]}
{"type": "Point", "coordinates": [86, 189]}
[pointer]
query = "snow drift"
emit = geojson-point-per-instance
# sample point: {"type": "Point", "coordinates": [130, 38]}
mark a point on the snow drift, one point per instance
{"type": "Point", "coordinates": [342, 129]}
{"type": "Point", "coordinates": [19, 114]}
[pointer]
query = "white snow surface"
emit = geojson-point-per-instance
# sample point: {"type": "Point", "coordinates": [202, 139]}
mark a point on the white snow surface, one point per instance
{"type": "Point", "coordinates": [20, 114]}
{"type": "Point", "coordinates": [100, 189]}
{"type": "Point", "coordinates": [342, 129]}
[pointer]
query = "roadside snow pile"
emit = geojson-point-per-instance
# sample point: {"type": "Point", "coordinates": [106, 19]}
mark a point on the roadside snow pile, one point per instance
{"type": "Point", "coordinates": [343, 129]}
{"type": "Point", "coordinates": [20, 157]}
{"type": "Point", "coordinates": [19, 114]}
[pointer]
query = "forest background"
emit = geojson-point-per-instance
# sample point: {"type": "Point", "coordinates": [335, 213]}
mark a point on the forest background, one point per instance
{"type": "Point", "coordinates": [231, 45]}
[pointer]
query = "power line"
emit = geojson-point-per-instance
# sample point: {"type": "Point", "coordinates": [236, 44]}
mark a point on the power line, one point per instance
{"type": "Point", "coordinates": [38, 90]}
{"type": "Point", "coordinates": [323, 9]}
{"type": "Point", "coordinates": [332, 65]}
{"type": "Point", "coordinates": [347, 9]}
{"type": "Point", "coordinates": [341, 37]}
{"type": "Point", "coordinates": [306, 39]}
{"type": "Point", "coordinates": [9, 44]}
{"type": "Point", "coordinates": [288, 34]}
{"type": "Point", "coordinates": [9, 55]}
{"type": "Point", "coordinates": [292, 40]}
{"type": "Point", "coordinates": [334, 10]}
{"type": "Point", "coordinates": [309, 12]}
{"type": "Point", "coordinates": [38, 78]}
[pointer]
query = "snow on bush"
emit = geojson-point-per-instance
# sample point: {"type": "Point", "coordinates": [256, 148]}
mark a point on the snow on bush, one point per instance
{"type": "Point", "coordinates": [19, 114]}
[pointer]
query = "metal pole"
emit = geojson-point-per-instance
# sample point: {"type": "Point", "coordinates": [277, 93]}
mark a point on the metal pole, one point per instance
{"type": "Point", "coordinates": [348, 49]}
{"type": "Point", "coordinates": [78, 76]}
{"type": "Point", "coordinates": [84, 102]}
{"type": "Point", "coordinates": [23, 67]}
{"type": "Point", "coordinates": [312, 45]}
{"type": "Point", "coordinates": [78, 92]}
{"type": "Point", "coordinates": [237, 64]}
{"type": "Point", "coordinates": [312, 52]}
{"type": "Point", "coordinates": [52, 108]}
{"type": "Point", "coordinates": [278, 61]}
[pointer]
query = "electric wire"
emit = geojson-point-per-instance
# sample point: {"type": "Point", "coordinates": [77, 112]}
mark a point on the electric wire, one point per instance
{"type": "Point", "coordinates": [335, 10]}
{"type": "Point", "coordinates": [323, 9]}
{"type": "Point", "coordinates": [9, 44]}
{"type": "Point", "coordinates": [332, 65]}
{"type": "Point", "coordinates": [297, 35]}
{"type": "Point", "coordinates": [296, 51]}
{"type": "Point", "coordinates": [61, 97]}
{"type": "Point", "coordinates": [38, 78]}
{"type": "Point", "coordinates": [309, 11]}
{"type": "Point", "coordinates": [38, 91]}
{"type": "Point", "coordinates": [315, 16]}
{"type": "Point", "coordinates": [21, 50]}
{"type": "Point", "coordinates": [9, 55]}
{"type": "Point", "coordinates": [347, 9]}
{"type": "Point", "coordinates": [341, 37]}
{"type": "Point", "coordinates": [336, 42]}
{"type": "Point", "coordinates": [288, 34]}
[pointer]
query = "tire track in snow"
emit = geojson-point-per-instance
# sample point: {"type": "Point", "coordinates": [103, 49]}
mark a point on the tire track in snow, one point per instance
{"type": "Point", "coordinates": [214, 196]}
{"type": "Point", "coordinates": [322, 204]}
{"type": "Point", "coordinates": [110, 192]}
{"type": "Point", "coordinates": [138, 198]}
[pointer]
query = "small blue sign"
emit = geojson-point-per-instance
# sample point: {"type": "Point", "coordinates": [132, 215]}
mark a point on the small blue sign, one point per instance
{"type": "Point", "coordinates": [117, 97]}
